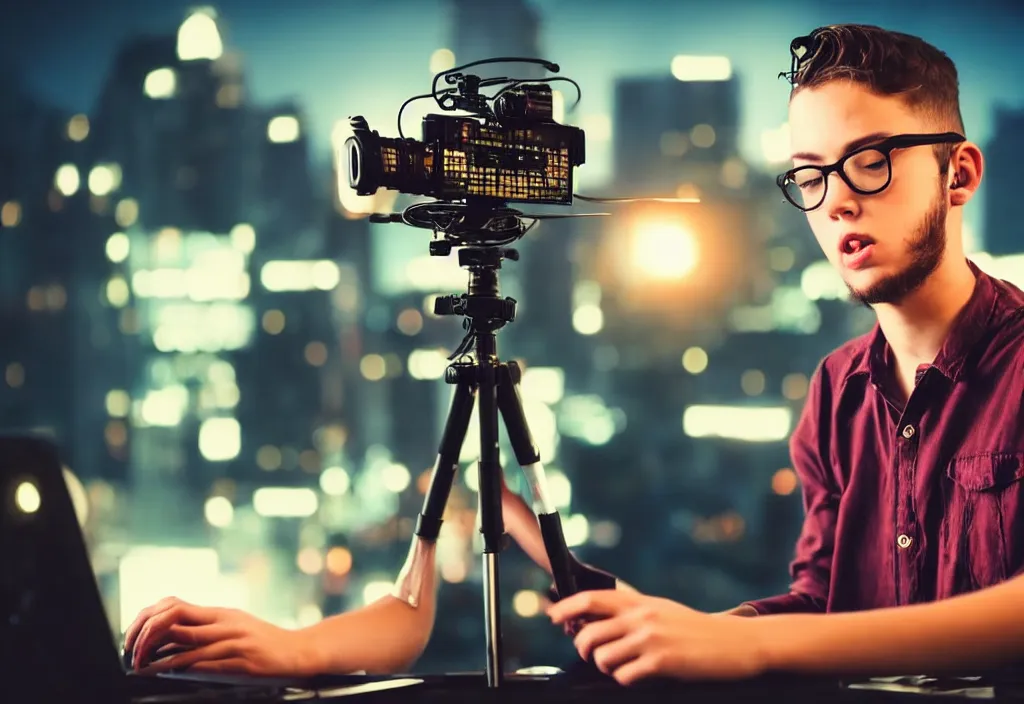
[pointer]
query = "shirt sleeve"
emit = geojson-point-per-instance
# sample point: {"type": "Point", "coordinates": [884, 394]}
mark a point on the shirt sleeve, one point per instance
{"type": "Point", "coordinates": [811, 568]}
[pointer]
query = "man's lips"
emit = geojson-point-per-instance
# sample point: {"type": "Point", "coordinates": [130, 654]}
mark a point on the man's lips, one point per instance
{"type": "Point", "coordinates": [855, 250]}
{"type": "Point", "coordinates": [851, 242]}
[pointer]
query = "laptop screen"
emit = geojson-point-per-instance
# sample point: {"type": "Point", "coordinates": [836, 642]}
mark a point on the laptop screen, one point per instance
{"type": "Point", "coordinates": [55, 641]}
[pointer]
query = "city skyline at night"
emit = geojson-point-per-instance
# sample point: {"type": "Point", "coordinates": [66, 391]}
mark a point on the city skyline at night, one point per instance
{"type": "Point", "coordinates": [244, 369]}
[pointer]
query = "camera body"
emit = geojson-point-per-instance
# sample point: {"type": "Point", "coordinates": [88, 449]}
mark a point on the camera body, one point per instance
{"type": "Point", "coordinates": [516, 152]}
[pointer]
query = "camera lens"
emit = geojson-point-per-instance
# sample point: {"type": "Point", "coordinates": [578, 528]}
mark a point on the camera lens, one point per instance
{"type": "Point", "coordinates": [354, 166]}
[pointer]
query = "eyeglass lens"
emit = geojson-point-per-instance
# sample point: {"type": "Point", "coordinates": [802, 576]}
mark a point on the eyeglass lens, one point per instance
{"type": "Point", "coordinates": [867, 171]}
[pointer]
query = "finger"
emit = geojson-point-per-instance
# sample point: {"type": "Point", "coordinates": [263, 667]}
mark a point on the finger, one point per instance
{"type": "Point", "coordinates": [162, 633]}
{"type": "Point", "coordinates": [599, 603]}
{"type": "Point", "coordinates": [155, 631]}
{"type": "Point", "coordinates": [599, 633]}
{"type": "Point", "coordinates": [616, 653]}
{"type": "Point", "coordinates": [147, 613]}
{"type": "Point", "coordinates": [194, 636]}
{"type": "Point", "coordinates": [228, 665]}
{"type": "Point", "coordinates": [637, 669]}
{"type": "Point", "coordinates": [170, 649]}
{"type": "Point", "coordinates": [214, 651]}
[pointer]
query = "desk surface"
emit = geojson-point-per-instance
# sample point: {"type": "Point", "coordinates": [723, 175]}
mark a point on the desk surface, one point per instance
{"type": "Point", "coordinates": [471, 687]}
{"type": "Point", "coordinates": [588, 685]}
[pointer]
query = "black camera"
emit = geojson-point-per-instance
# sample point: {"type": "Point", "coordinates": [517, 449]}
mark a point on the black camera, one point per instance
{"type": "Point", "coordinates": [511, 150]}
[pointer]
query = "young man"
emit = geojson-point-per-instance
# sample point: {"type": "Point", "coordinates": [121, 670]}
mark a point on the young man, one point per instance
{"type": "Point", "coordinates": [910, 447]}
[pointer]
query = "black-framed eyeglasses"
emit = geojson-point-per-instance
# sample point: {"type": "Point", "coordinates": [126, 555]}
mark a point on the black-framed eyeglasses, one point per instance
{"type": "Point", "coordinates": [866, 170]}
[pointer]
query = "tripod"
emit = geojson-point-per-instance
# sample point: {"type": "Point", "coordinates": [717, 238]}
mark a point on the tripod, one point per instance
{"type": "Point", "coordinates": [495, 384]}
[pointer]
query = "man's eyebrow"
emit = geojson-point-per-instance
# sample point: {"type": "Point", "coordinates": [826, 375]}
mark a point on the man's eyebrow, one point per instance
{"type": "Point", "coordinates": [855, 144]}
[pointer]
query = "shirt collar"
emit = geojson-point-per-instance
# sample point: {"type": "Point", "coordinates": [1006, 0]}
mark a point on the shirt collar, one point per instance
{"type": "Point", "coordinates": [972, 322]}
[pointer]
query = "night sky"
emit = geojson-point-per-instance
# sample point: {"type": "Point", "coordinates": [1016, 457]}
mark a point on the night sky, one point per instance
{"type": "Point", "coordinates": [343, 57]}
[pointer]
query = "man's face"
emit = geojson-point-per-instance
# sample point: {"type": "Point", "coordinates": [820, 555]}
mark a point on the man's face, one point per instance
{"type": "Point", "coordinates": [905, 224]}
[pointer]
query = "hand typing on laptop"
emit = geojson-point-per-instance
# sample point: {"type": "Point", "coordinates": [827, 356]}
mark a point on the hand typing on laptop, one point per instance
{"type": "Point", "coordinates": [384, 637]}
{"type": "Point", "coordinates": [175, 635]}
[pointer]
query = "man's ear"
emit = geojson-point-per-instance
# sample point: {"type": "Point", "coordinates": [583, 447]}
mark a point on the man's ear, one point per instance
{"type": "Point", "coordinates": [966, 168]}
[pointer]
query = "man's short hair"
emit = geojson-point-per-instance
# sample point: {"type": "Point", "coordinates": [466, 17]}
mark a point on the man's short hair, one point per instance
{"type": "Point", "coordinates": [888, 63]}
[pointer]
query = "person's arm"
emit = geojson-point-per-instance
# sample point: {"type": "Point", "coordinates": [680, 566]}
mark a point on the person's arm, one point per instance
{"type": "Point", "coordinates": [521, 524]}
{"type": "Point", "coordinates": [385, 637]}
{"type": "Point", "coordinates": [811, 567]}
{"type": "Point", "coordinates": [389, 635]}
{"type": "Point", "coordinates": [983, 629]}
{"type": "Point", "coordinates": [523, 527]}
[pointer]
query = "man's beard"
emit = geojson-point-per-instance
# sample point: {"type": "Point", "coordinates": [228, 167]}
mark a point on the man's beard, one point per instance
{"type": "Point", "coordinates": [926, 250]}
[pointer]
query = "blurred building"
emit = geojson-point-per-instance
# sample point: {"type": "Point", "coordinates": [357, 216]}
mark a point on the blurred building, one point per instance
{"type": "Point", "coordinates": [678, 130]}
{"type": "Point", "coordinates": [225, 266]}
{"type": "Point", "coordinates": [491, 30]}
{"type": "Point", "coordinates": [57, 339]}
{"type": "Point", "coordinates": [179, 170]}
{"type": "Point", "coordinates": [1003, 154]}
{"type": "Point", "coordinates": [40, 231]}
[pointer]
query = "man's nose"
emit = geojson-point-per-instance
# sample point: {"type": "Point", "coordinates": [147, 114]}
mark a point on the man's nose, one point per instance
{"type": "Point", "coordinates": [840, 199]}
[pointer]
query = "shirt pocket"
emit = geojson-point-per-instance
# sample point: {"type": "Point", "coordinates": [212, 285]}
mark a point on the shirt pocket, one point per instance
{"type": "Point", "coordinates": [981, 529]}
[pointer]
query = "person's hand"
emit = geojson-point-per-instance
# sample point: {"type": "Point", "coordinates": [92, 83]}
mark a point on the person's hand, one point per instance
{"type": "Point", "coordinates": [587, 578]}
{"type": "Point", "coordinates": [522, 524]}
{"type": "Point", "coordinates": [631, 636]}
{"type": "Point", "coordinates": [206, 639]}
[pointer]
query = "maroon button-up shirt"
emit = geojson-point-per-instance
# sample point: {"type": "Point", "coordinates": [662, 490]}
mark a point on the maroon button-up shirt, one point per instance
{"type": "Point", "coordinates": [920, 502]}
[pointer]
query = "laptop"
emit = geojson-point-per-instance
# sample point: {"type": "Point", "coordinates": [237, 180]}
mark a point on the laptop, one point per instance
{"type": "Point", "coordinates": [56, 644]}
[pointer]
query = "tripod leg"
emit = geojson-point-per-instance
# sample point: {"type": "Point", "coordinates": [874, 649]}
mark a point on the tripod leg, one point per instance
{"type": "Point", "coordinates": [491, 523]}
{"type": "Point", "coordinates": [528, 457]}
{"type": "Point", "coordinates": [428, 525]}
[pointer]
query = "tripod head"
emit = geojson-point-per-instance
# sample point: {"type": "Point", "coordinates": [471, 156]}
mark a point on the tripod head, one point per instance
{"type": "Point", "coordinates": [482, 306]}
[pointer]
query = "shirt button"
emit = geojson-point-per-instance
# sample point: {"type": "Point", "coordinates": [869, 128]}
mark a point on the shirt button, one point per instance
{"type": "Point", "coordinates": [908, 432]}
{"type": "Point", "coordinates": [904, 541]}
